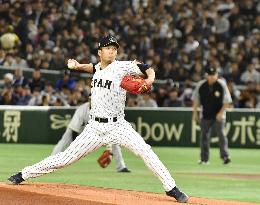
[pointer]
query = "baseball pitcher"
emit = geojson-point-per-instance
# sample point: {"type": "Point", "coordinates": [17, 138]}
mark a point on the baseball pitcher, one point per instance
{"type": "Point", "coordinates": [107, 124]}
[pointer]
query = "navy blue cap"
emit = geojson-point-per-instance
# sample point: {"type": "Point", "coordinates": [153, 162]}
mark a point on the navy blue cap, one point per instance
{"type": "Point", "coordinates": [108, 40]}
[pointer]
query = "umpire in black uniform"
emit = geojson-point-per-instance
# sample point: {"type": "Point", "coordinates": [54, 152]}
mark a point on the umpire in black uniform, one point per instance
{"type": "Point", "coordinates": [214, 97]}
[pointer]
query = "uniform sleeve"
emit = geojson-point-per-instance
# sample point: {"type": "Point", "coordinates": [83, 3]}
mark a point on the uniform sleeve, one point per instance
{"type": "Point", "coordinates": [226, 95]}
{"type": "Point", "coordinates": [130, 68]}
{"type": "Point", "coordinates": [77, 120]}
{"type": "Point", "coordinates": [94, 68]}
{"type": "Point", "coordinates": [86, 113]}
{"type": "Point", "coordinates": [195, 94]}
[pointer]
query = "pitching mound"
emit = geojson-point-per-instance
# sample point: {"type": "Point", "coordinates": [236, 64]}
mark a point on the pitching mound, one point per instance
{"type": "Point", "coordinates": [63, 194]}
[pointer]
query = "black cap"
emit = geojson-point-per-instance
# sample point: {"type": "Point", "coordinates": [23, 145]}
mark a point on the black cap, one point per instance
{"type": "Point", "coordinates": [211, 70]}
{"type": "Point", "coordinates": [108, 40]}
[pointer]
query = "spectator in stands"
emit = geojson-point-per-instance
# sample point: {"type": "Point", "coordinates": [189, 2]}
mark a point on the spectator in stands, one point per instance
{"type": "Point", "coordinates": [25, 96]}
{"type": "Point", "coordinates": [131, 101]}
{"type": "Point", "coordinates": [20, 25]}
{"type": "Point", "coordinates": [147, 101]}
{"type": "Point", "coordinates": [37, 81]}
{"type": "Point", "coordinates": [68, 9]}
{"type": "Point", "coordinates": [233, 73]}
{"type": "Point", "coordinates": [222, 25]}
{"type": "Point", "coordinates": [9, 60]}
{"type": "Point", "coordinates": [50, 91]}
{"type": "Point", "coordinates": [173, 100]}
{"type": "Point", "coordinates": [8, 80]}
{"type": "Point", "coordinates": [28, 55]}
{"type": "Point", "coordinates": [36, 98]}
{"type": "Point", "coordinates": [17, 90]}
{"type": "Point", "coordinates": [176, 37]}
{"type": "Point", "coordinates": [75, 98]}
{"type": "Point", "coordinates": [161, 95]}
{"type": "Point", "coordinates": [58, 62]}
{"type": "Point", "coordinates": [64, 95]}
{"type": "Point", "coordinates": [45, 42]}
{"type": "Point", "coordinates": [5, 6]}
{"type": "Point", "coordinates": [82, 87]}
{"type": "Point", "coordinates": [167, 71]}
{"type": "Point", "coordinates": [58, 102]}
{"type": "Point", "coordinates": [197, 71]}
{"type": "Point", "coordinates": [19, 79]}
{"type": "Point", "coordinates": [45, 100]}
{"type": "Point", "coordinates": [190, 45]}
{"type": "Point", "coordinates": [250, 75]}
{"type": "Point", "coordinates": [246, 100]}
{"type": "Point", "coordinates": [36, 62]}
{"type": "Point", "coordinates": [32, 31]}
{"type": "Point", "coordinates": [38, 12]}
{"type": "Point", "coordinates": [19, 62]}
{"type": "Point", "coordinates": [9, 40]}
{"type": "Point", "coordinates": [66, 81]}
{"type": "Point", "coordinates": [8, 97]}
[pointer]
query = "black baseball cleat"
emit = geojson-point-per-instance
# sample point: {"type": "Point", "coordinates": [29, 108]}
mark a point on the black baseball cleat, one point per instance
{"type": "Point", "coordinates": [178, 195]}
{"type": "Point", "coordinates": [124, 170]}
{"type": "Point", "coordinates": [16, 179]}
{"type": "Point", "coordinates": [226, 160]}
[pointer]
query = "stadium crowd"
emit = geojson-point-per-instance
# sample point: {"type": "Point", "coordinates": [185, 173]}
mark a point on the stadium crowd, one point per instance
{"type": "Point", "coordinates": [178, 38]}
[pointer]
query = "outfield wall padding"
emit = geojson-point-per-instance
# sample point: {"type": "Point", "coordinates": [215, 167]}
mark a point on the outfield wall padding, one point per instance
{"type": "Point", "coordinates": [159, 127]}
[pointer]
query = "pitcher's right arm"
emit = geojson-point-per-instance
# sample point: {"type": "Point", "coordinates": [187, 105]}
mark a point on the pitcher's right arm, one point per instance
{"type": "Point", "coordinates": [75, 65]}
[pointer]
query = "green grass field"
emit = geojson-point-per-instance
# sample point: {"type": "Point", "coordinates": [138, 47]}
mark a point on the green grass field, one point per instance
{"type": "Point", "coordinates": [182, 162]}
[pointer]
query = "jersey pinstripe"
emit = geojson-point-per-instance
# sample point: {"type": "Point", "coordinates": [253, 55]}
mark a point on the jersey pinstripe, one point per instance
{"type": "Point", "coordinates": [77, 124]}
{"type": "Point", "coordinates": [108, 98]}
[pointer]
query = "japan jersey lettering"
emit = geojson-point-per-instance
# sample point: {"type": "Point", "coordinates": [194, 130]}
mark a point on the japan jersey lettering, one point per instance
{"type": "Point", "coordinates": [107, 97]}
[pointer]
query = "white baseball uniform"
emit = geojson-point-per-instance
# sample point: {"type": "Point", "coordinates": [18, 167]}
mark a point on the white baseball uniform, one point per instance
{"type": "Point", "coordinates": [106, 126]}
{"type": "Point", "coordinates": [77, 124]}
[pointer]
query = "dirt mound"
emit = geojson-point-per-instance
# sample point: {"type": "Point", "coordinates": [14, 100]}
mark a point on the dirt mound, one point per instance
{"type": "Point", "coordinates": [64, 194]}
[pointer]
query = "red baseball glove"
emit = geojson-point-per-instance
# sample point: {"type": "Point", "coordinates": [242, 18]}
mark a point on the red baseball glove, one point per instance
{"type": "Point", "coordinates": [135, 84]}
{"type": "Point", "coordinates": [105, 159]}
